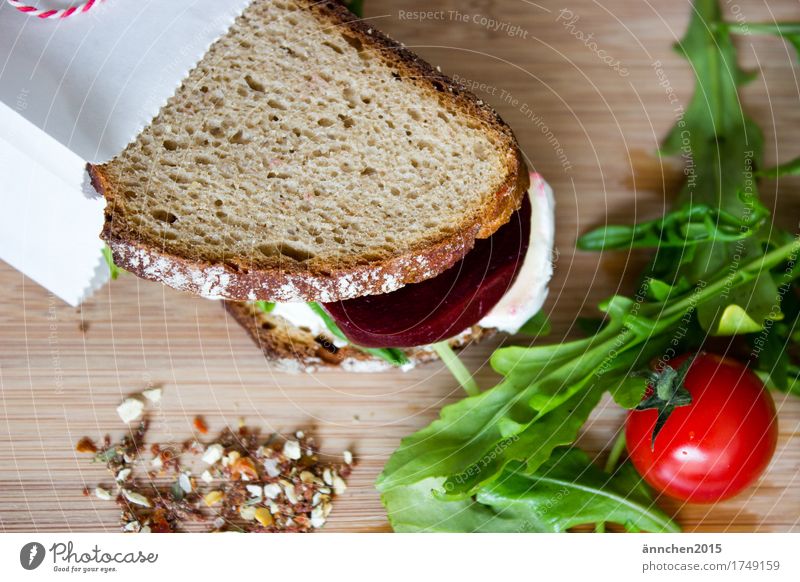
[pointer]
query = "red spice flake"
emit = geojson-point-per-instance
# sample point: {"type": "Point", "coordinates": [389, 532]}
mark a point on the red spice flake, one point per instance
{"type": "Point", "coordinates": [86, 445]}
{"type": "Point", "coordinates": [200, 425]}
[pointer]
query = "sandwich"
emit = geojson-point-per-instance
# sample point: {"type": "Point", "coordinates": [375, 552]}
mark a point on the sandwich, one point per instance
{"type": "Point", "coordinates": [351, 204]}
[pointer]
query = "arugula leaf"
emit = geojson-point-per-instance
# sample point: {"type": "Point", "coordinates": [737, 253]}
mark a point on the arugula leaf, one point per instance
{"type": "Point", "coordinates": [392, 355]}
{"type": "Point", "coordinates": [566, 491]}
{"type": "Point", "coordinates": [791, 168]}
{"type": "Point", "coordinates": [113, 269]}
{"type": "Point", "coordinates": [356, 7]}
{"type": "Point", "coordinates": [659, 290]}
{"type": "Point", "coordinates": [787, 30]}
{"type": "Point", "coordinates": [792, 380]}
{"type": "Point", "coordinates": [456, 367]}
{"type": "Point", "coordinates": [771, 346]}
{"type": "Point", "coordinates": [265, 306]}
{"type": "Point", "coordinates": [745, 311]}
{"type": "Point", "coordinates": [532, 446]}
{"type": "Point", "coordinates": [536, 326]}
{"type": "Point", "coordinates": [545, 398]}
{"type": "Point", "coordinates": [687, 225]}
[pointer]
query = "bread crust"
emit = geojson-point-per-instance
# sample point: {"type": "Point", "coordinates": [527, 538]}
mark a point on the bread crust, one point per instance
{"type": "Point", "coordinates": [291, 349]}
{"type": "Point", "coordinates": [287, 280]}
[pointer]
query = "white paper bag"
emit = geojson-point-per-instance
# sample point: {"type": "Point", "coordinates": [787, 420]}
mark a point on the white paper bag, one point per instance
{"type": "Point", "coordinates": [75, 90]}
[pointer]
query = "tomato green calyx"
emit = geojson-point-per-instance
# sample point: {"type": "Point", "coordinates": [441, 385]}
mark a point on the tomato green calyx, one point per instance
{"type": "Point", "coordinates": [668, 393]}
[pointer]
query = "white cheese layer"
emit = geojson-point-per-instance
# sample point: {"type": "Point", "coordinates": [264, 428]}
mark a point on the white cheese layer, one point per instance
{"type": "Point", "coordinates": [529, 291]}
{"type": "Point", "coordinates": [301, 315]}
{"type": "Point", "coordinates": [518, 305]}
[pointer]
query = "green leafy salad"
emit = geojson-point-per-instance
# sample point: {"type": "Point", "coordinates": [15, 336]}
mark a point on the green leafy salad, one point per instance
{"type": "Point", "coordinates": [504, 459]}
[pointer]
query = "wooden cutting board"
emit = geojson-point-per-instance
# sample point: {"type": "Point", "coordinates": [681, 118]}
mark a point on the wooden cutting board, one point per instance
{"type": "Point", "coordinates": [588, 120]}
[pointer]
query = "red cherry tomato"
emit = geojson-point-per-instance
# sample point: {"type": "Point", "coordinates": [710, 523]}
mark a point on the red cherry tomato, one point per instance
{"type": "Point", "coordinates": [716, 446]}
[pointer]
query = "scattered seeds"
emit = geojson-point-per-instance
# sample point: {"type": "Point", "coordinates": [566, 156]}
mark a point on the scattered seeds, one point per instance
{"type": "Point", "coordinates": [317, 517]}
{"type": "Point", "coordinates": [131, 409]}
{"type": "Point", "coordinates": [255, 490]}
{"type": "Point", "coordinates": [153, 395]}
{"type": "Point", "coordinates": [271, 467]}
{"type": "Point", "coordinates": [103, 494]}
{"type": "Point", "coordinates": [288, 489]}
{"type": "Point", "coordinates": [185, 483]}
{"type": "Point", "coordinates": [263, 485]}
{"type": "Point", "coordinates": [339, 486]}
{"type": "Point", "coordinates": [213, 453]}
{"type": "Point", "coordinates": [291, 450]}
{"type": "Point", "coordinates": [272, 490]}
{"type": "Point", "coordinates": [136, 498]}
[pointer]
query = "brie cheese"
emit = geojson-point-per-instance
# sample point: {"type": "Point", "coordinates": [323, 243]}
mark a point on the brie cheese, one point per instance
{"type": "Point", "coordinates": [529, 290]}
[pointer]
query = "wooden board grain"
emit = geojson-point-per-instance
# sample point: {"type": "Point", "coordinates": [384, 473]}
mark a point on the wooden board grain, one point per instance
{"type": "Point", "coordinates": [588, 121]}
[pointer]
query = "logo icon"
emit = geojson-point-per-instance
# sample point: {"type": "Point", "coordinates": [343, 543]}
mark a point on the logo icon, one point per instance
{"type": "Point", "coordinates": [31, 555]}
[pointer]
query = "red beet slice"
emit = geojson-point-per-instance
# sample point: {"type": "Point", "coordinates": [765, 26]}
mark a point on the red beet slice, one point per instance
{"type": "Point", "coordinates": [439, 308]}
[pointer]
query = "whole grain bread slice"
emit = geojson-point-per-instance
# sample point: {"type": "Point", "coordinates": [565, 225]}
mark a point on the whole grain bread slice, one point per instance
{"type": "Point", "coordinates": [292, 349]}
{"type": "Point", "coordinates": [308, 157]}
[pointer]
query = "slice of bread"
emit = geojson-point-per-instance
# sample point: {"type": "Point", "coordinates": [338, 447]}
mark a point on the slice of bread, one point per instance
{"type": "Point", "coordinates": [308, 157]}
{"type": "Point", "coordinates": [293, 349]}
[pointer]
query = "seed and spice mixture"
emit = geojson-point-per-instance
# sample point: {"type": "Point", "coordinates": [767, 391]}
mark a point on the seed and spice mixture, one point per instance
{"type": "Point", "coordinates": [242, 482]}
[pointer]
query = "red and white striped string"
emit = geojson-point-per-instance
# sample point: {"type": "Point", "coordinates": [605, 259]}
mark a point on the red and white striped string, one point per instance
{"type": "Point", "coordinates": [53, 14]}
